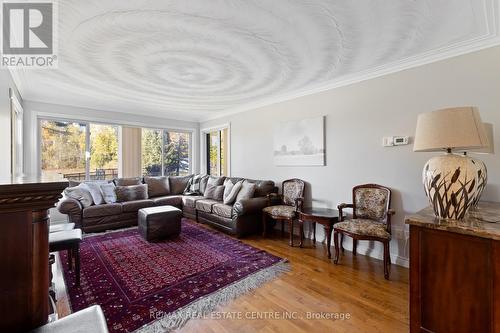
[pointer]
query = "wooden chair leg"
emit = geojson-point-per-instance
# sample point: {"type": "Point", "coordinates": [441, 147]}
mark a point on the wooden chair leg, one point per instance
{"type": "Point", "coordinates": [290, 227]}
{"type": "Point", "coordinates": [264, 226]}
{"type": "Point", "coordinates": [354, 246]}
{"type": "Point", "coordinates": [336, 243]}
{"type": "Point", "coordinates": [314, 232]}
{"type": "Point", "coordinates": [386, 260]}
{"type": "Point", "coordinates": [342, 242]}
{"type": "Point", "coordinates": [77, 264]}
{"type": "Point", "coordinates": [70, 259]}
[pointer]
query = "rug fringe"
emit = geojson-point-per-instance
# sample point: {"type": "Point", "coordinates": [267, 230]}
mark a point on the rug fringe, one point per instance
{"type": "Point", "coordinates": [207, 304]}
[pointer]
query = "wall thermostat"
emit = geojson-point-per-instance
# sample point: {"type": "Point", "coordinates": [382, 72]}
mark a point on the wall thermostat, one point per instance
{"type": "Point", "coordinates": [390, 141]}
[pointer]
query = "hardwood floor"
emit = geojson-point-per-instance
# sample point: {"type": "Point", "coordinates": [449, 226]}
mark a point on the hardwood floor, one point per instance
{"type": "Point", "coordinates": [355, 288]}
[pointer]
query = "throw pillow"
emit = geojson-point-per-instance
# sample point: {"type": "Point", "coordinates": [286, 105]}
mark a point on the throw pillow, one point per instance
{"type": "Point", "coordinates": [95, 191]}
{"type": "Point", "coordinates": [108, 192]}
{"type": "Point", "coordinates": [247, 191]}
{"type": "Point", "coordinates": [230, 197]}
{"type": "Point", "coordinates": [194, 184]}
{"type": "Point", "coordinates": [80, 193]}
{"type": "Point", "coordinates": [218, 193]}
{"type": "Point", "coordinates": [214, 192]}
{"type": "Point", "coordinates": [157, 186]}
{"type": "Point", "coordinates": [131, 193]}
{"type": "Point", "coordinates": [128, 181]}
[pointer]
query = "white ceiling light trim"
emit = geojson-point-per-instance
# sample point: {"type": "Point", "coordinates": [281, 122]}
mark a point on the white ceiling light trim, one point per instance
{"type": "Point", "coordinates": [199, 60]}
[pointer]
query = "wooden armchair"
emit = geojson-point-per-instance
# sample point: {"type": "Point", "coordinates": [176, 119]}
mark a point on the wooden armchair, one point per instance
{"type": "Point", "coordinates": [284, 207]}
{"type": "Point", "coordinates": [371, 220]}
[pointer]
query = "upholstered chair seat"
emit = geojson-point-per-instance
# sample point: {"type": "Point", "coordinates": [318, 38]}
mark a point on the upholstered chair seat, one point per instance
{"type": "Point", "coordinates": [280, 211]}
{"type": "Point", "coordinates": [364, 227]}
{"type": "Point", "coordinates": [285, 206]}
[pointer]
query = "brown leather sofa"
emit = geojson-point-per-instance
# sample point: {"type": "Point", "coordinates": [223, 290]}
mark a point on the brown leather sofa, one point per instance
{"type": "Point", "coordinates": [240, 219]}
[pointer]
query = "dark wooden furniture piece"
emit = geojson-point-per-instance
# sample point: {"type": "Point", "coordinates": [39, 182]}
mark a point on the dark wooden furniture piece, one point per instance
{"type": "Point", "coordinates": [284, 207]}
{"type": "Point", "coordinates": [24, 250]}
{"type": "Point", "coordinates": [324, 216]}
{"type": "Point", "coordinates": [68, 240]}
{"type": "Point", "coordinates": [371, 220]}
{"type": "Point", "coordinates": [455, 271]}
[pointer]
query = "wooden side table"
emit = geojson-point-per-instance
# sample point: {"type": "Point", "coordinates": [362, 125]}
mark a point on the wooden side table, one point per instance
{"type": "Point", "coordinates": [325, 216]}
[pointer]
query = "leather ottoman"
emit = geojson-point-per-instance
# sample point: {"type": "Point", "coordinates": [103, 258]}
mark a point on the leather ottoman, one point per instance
{"type": "Point", "coordinates": [157, 223]}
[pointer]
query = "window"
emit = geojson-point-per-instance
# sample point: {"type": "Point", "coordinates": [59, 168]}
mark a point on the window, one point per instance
{"type": "Point", "coordinates": [103, 151]}
{"type": "Point", "coordinates": [217, 152]}
{"type": "Point", "coordinates": [79, 150]}
{"type": "Point", "coordinates": [152, 152]}
{"type": "Point", "coordinates": [165, 152]}
{"type": "Point", "coordinates": [63, 148]}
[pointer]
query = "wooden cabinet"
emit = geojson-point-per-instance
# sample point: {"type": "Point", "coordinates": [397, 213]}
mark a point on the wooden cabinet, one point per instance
{"type": "Point", "coordinates": [455, 272]}
{"type": "Point", "coordinates": [24, 252]}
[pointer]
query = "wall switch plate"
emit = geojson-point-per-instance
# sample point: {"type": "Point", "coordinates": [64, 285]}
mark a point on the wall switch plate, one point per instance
{"type": "Point", "coordinates": [388, 141]}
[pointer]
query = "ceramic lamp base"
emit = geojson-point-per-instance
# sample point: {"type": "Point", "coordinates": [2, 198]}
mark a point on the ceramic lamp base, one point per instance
{"type": "Point", "coordinates": [451, 184]}
{"type": "Point", "coordinates": [483, 180]}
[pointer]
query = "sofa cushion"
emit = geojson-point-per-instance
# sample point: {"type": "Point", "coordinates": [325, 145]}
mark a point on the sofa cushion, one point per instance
{"type": "Point", "coordinates": [80, 193]}
{"type": "Point", "coordinates": [190, 200]}
{"type": "Point", "coordinates": [205, 205]}
{"type": "Point", "coordinates": [178, 184]}
{"type": "Point", "coordinates": [231, 192]}
{"type": "Point", "coordinates": [103, 210]}
{"type": "Point", "coordinates": [214, 192]}
{"type": "Point", "coordinates": [194, 184]}
{"type": "Point", "coordinates": [134, 206]}
{"type": "Point", "coordinates": [210, 180]}
{"type": "Point", "coordinates": [247, 191]}
{"type": "Point", "coordinates": [157, 186]}
{"type": "Point", "coordinates": [263, 187]}
{"type": "Point", "coordinates": [109, 193]}
{"type": "Point", "coordinates": [222, 210]}
{"type": "Point", "coordinates": [169, 200]}
{"type": "Point", "coordinates": [131, 193]}
{"type": "Point", "coordinates": [128, 181]}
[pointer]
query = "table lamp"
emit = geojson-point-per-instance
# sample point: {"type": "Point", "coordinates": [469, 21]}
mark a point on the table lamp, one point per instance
{"type": "Point", "coordinates": [451, 180]}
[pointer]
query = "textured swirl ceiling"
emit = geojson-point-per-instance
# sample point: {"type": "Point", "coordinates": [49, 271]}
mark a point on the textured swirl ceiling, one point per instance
{"type": "Point", "coordinates": [195, 59]}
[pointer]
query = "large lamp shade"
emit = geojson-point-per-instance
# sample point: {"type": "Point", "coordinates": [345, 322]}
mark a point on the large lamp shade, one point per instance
{"type": "Point", "coordinates": [452, 128]}
{"type": "Point", "coordinates": [451, 180]}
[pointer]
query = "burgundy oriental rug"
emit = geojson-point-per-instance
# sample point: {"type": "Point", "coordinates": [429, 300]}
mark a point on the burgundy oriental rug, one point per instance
{"type": "Point", "coordinates": [157, 287]}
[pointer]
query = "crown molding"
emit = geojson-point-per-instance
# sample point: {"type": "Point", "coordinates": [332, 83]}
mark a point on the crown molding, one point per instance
{"type": "Point", "coordinates": [394, 67]}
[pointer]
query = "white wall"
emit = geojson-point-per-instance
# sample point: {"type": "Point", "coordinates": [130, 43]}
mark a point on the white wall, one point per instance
{"type": "Point", "coordinates": [35, 110]}
{"type": "Point", "coordinates": [6, 82]}
{"type": "Point", "coordinates": [357, 117]}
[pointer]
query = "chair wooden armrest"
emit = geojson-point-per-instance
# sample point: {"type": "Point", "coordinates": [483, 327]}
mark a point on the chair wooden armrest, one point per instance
{"type": "Point", "coordinates": [341, 207]}
{"type": "Point", "coordinates": [299, 204]}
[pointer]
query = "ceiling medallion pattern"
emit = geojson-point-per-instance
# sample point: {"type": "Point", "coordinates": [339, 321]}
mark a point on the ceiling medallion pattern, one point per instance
{"type": "Point", "coordinates": [195, 59]}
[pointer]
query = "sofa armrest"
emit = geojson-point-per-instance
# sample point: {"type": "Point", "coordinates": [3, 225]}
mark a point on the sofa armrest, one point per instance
{"type": "Point", "coordinates": [248, 206]}
{"type": "Point", "coordinates": [73, 208]}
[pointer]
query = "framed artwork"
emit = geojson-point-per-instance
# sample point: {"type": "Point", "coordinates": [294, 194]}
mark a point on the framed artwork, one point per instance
{"type": "Point", "coordinates": [300, 142]}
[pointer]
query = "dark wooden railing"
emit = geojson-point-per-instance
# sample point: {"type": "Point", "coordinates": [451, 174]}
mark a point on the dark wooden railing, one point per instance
{"type": "Point", "coordinates": [97, 174]}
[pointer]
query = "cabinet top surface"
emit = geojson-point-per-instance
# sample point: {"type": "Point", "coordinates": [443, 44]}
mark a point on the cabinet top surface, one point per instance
{"type": "Point", "coordinates": [483, 221]}
{"type": "Point", "coordinates": [27, 179]}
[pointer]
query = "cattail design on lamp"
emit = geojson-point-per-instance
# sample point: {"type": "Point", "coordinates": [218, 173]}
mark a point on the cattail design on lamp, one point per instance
{"type": "Point", "coordinates": [451, 181]}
